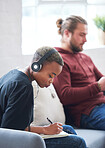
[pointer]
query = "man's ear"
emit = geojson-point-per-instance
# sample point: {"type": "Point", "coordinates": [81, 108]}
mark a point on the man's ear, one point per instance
{"type": "Point", "coordinates": [67, 33]}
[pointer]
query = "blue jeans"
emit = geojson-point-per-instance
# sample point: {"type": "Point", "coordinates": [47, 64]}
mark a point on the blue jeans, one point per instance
{"type": "Point", "coordinates": [96, 119]}
{"type": "Point", "coordinates": [72, 141]}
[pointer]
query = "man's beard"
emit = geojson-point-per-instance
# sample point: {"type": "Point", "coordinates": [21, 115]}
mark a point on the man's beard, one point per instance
{"type": "Point", "coordinates": [74, 48]}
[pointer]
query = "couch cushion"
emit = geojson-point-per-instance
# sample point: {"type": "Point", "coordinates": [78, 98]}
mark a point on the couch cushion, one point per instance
{"type": "Point", "coordinates": [47, 104]}
{"type": "Point", "coordinates": [93, 138]}
{"type": "Point", "coordinates": [20, 139]}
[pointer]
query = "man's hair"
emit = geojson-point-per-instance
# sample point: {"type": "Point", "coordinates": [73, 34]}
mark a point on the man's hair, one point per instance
{"type": "Point", "coordinates": [69, 23]}
{"type": "Point", "coordinates": [54, 57]}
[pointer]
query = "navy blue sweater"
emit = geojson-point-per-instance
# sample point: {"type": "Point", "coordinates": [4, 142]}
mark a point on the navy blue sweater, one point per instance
{"type": "Point", "coordinates": [16, 100]}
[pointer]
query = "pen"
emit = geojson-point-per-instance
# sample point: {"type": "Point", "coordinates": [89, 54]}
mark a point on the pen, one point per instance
{"type": "Point", "coordinates": [49, 120]}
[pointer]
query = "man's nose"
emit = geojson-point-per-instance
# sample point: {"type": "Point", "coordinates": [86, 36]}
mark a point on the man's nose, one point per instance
{"type": "Point", "coordinates": [85, 40]}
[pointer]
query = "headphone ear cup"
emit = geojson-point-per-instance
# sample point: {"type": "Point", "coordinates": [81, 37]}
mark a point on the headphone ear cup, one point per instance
{"type": "Point", "coordinates": [36, 66]}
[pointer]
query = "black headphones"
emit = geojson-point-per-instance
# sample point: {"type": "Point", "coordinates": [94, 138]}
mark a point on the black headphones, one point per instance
{"type": "Point", "coordinates": [36, 66]}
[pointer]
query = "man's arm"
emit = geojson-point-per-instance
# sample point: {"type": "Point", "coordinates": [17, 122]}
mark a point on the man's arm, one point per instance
{"type": "Point", "coordinates": [69, 94]}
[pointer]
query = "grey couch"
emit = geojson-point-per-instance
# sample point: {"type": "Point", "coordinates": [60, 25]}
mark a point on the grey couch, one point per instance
{"type": "Point", "coordinates": [20, 139]}
{"type": "Point", "coordinates": [93, 138]}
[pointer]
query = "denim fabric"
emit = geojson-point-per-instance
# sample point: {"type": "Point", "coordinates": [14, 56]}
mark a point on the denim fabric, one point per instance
{"type": "Point", "coordinates": [72, 141]}
{"type": "Point", "coordinates": [96, 119]}
{"type": "Point", "coordinates": [69, 129]}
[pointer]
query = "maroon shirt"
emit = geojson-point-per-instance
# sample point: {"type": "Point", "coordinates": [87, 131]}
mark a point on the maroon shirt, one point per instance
{"type": "Point", "coordinates": [77, 86]}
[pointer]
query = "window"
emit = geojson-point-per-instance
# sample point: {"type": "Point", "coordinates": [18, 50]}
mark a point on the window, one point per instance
{"type": "Point", "coordinates": [40, 16]}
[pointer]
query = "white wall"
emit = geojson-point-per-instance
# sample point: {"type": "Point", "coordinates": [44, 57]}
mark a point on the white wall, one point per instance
{"type": "Point", "coordinates": [10, 36]}
{"type": "Point", "coordinates": [10, 39]}
{"type": "Point", "coordinates": [98, 57]}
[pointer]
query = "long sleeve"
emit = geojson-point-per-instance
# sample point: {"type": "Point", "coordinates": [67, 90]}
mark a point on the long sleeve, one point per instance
{"type": "Point", "coordinates": [17, 106]}
{"type": "Point", "coordinates": [69, 94]}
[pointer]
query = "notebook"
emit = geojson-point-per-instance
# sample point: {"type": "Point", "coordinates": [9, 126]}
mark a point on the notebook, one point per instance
{"type": "Point", "coordinates": [61, 134]}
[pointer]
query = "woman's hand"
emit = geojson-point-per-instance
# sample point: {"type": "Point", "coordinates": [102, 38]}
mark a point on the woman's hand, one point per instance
{"type": "Point", "coordinates": [52, 129]}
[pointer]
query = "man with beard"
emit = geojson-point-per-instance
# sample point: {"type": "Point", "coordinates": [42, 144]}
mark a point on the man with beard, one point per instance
{"type": "Point", "coordinates": [80, 85]}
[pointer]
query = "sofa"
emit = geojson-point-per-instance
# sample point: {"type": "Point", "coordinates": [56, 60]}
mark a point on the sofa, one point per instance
{"type": "Point", "coordinates": [20, 139]}
{"type": "Point", "coordinates": [47, 104]}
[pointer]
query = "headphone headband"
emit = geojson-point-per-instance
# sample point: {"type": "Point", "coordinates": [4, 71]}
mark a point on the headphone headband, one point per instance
{"type": "Point", "coordinates": [46, 56]}
{"type": "Point", "coordinates": [36, 66]}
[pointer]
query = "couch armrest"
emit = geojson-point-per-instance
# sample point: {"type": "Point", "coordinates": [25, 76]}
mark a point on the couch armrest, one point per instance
{"type": "Point", "coordinates": [20, 139]}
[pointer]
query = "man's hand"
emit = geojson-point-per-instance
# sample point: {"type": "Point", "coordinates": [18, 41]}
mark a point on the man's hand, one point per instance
{"type": "Point", "coordinates": [101, 82]}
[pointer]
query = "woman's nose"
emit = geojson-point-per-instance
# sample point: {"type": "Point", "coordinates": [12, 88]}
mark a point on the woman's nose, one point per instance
{"type": "Point", "coordinates": [51, 80]}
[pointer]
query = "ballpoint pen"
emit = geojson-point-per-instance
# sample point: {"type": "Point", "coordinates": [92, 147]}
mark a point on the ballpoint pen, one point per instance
{"type": "Point", "coordinates": [66, 130]}
{"type": "Point", "coordinates": [49, 120]}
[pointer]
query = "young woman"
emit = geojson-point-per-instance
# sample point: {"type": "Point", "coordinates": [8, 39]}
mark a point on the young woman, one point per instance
{"type": "Point", "coordinates": [16, 98]}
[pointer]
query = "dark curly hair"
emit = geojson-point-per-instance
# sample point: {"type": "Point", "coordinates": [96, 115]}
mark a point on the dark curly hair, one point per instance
{"type": "Point", "coordinates": [40, 52]}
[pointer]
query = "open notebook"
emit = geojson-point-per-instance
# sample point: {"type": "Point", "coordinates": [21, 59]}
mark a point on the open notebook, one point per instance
{"type": "Point", "coordinates": [62, 134]}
